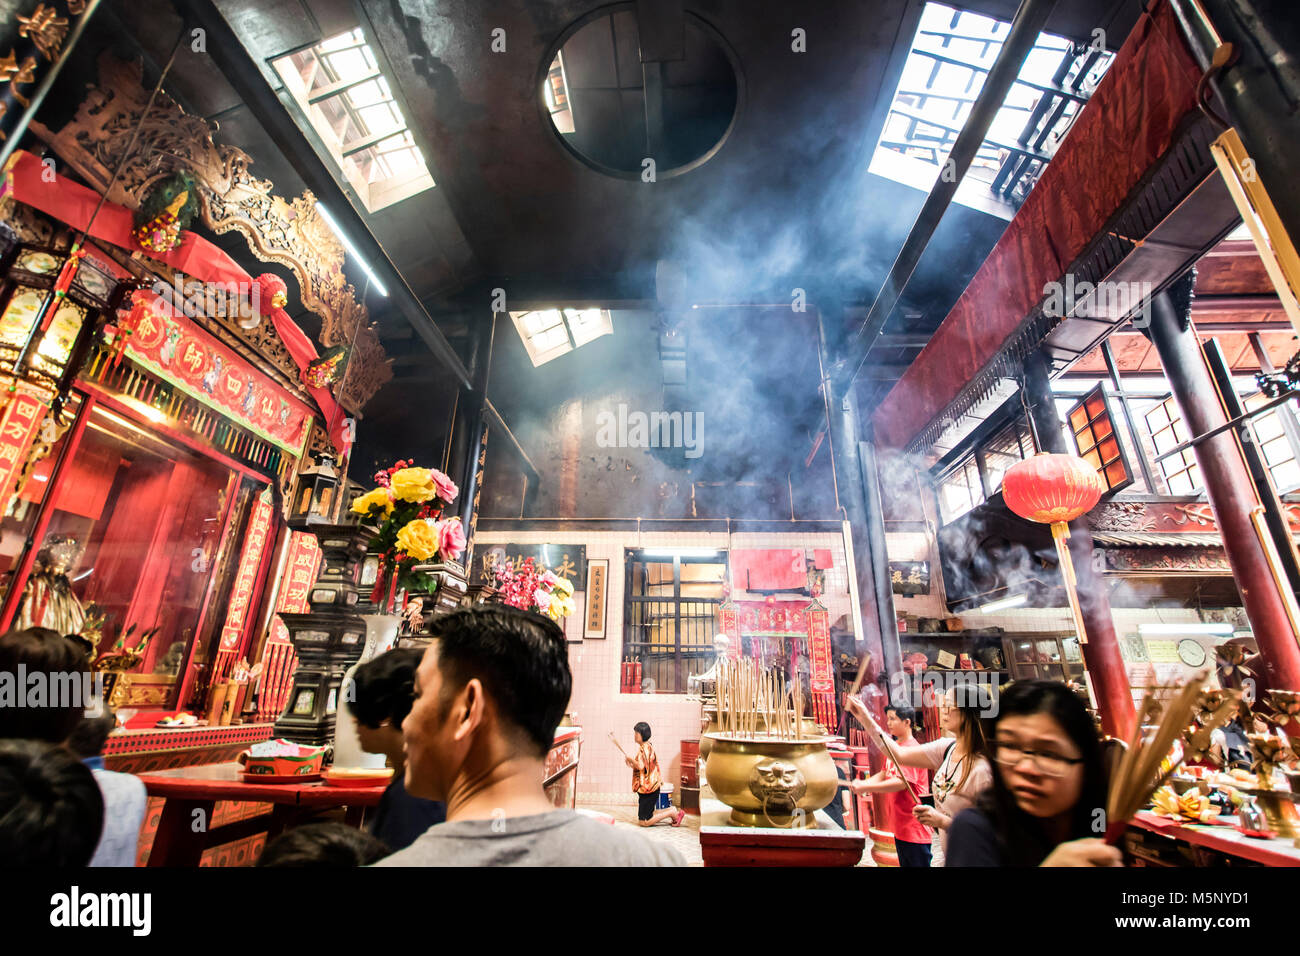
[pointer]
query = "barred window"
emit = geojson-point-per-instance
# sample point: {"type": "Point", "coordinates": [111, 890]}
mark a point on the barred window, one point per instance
{"type": "Point", "coordinates": [671, 616]}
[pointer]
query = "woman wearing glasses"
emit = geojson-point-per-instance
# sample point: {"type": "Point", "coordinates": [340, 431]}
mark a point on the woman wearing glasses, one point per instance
{"type": "Point", "coordinates": [1046, 805]}
{"type": "Point", "coordinates": [960, 762]}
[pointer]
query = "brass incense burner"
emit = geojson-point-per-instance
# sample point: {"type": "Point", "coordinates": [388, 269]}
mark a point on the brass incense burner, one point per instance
{"type": "Point", "coordinates": [770, 781]}
{"type": "Point", "coordinates": [808, 727]}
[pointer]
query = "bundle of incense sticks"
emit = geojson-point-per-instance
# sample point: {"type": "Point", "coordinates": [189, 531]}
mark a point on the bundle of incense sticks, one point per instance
{"type": "Point", "coordinates": [753, 699]}
{"type": "Point", "coordinates": [1149, 760]}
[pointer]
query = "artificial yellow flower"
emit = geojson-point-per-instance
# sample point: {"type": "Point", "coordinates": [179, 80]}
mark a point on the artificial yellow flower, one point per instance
{"type": "Point", "coordinates": [419, 539]}
{"type": "Point", "coordinates": [413, 484]}
{"type": "Point", "coordinates": [370, 499]}
{"type": "Point", "coordinates": [563, 586]}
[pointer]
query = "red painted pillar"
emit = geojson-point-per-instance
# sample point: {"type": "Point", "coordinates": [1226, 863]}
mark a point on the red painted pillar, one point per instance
{"type": "Point", "coordinates": [1233, 497]}
{"type": "Point", "coordinates": [1100, 646]}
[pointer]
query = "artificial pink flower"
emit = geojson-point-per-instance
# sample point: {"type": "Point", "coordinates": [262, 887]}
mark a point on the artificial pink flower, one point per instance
{"type": "Point", "coordinates": [451, 538]}
{"type": "Point", "coordinates": [447, 489]}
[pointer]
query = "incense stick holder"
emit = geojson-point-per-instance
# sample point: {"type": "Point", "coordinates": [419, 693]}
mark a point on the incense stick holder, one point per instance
{"type": "Point", "coordinates": [769, 781]}
{"type": "Point", "coordinates": [808, 727]}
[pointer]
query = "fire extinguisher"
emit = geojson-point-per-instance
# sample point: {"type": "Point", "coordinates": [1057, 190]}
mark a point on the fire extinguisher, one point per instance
{"type": "Point", "coordinates": [636, 677]}
{"type": "Point", "coordinates": [625, 679]}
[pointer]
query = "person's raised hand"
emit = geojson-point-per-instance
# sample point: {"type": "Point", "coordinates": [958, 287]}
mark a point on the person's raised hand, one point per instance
{"type": "Point", "coordinates": [859, 710]}
{"type": "Point", "coordinates": [1087, 852]}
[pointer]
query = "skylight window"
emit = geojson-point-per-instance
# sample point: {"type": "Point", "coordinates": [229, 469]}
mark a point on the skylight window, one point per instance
{"type": "Point", "coordinates": [951, 55]}
{"type": "Point", "coordinates": [340, 87]}
{"type": "Point", "coordinates": [549, 333]}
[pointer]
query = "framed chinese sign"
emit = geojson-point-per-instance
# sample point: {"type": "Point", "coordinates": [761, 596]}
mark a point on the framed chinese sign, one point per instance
{"type": "Point", "coordinates": [910, 578]}
{"type": "Point", "coordinates": [597, 598]}
{"type": "Point", "coordinates": [174, 349]}
{"type": "Point", "coordinates": [567, 560]}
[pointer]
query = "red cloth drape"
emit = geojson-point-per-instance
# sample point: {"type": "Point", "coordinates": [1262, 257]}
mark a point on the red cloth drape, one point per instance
{"type": "Point", "coordinates": [31, 182]}
{"type": "Point", "coordinates": [769, 569]}
{"type": "Point", "coordinates": [1123, 130]}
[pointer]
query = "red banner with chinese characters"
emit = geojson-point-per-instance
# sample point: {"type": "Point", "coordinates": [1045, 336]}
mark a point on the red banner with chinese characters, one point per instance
{"type": "Point", "coordinates": [18, 427]}
{"type": "Point", "coordinates": [175, 349]}
{"type": "Point", "coordinates": [821, 676]}
{"type": "Point", "coordinates": [300, 570]}
{"type": "Point", "coordinates": [728, 624]}
{"type": "Point", "coordinates": [768, 625]}
{"type": "Point", "coordinates": [241, 595]}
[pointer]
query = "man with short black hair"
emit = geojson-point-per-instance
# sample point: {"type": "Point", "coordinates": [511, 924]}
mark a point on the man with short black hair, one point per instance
{"type": "Point", "coordinates": [489, 693]}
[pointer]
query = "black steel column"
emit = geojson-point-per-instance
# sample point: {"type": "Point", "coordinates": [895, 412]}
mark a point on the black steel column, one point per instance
{"type": "Point", "coordinates": [467, 442]}
{"type": "Point", "coordinates": [1260, 88]}
{"type": "Point", "coordinates": [861, 509]}
{"type": "Point", "coordinates": [882, 585]}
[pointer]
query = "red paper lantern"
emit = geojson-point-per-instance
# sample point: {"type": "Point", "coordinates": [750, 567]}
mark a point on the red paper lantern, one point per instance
{"type": "Point", "coordinates": [1051, 488]}
{"type": "Point", "coordinates": [1055, 489]}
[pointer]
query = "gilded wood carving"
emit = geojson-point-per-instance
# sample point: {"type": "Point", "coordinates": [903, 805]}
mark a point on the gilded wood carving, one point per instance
{"type": "Point", "coordinates": [288, 232]}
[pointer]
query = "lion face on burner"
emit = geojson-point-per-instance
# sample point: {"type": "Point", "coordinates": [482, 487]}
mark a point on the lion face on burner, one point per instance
{"type": "Point", "coordinates": [779, 785]}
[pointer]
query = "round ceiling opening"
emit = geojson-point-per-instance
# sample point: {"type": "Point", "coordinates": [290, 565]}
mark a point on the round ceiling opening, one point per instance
{"type": "Point", "coordinates": [618, 92]}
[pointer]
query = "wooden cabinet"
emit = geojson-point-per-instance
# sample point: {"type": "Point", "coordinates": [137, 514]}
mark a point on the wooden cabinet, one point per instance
{"type": "Point", "coordinates": [1043, 656]}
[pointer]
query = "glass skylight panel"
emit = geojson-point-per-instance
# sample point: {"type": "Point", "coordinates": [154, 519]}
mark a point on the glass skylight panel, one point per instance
{"type": "Point", "coordinates": [338, 85]}
{"type": "Point", "coordinates": [588, 324]}
{"type": "Point", "coordinates": [550, 333]}
{"type": "Point", "coordinates": [951, 55]}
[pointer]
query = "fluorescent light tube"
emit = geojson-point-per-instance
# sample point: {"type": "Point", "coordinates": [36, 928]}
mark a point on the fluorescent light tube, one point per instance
{"type": "Point", "coordinates": [681, 552]}
{"type": "Point", "coordinates": [352, 250]}
{"type": "Point", "coordinates": [1224, 629]}
{"type": "Point", "coordinates": [1003, 603]}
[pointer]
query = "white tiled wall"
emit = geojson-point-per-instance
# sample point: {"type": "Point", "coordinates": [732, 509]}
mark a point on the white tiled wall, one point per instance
{"type": "Point", "coordinates": [602, 775]}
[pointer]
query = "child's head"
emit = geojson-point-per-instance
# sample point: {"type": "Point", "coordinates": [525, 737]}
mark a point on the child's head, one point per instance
{"type": "Point", "coordinates": [383, 690]}
{"type": "Point", "coordinates": [51, 809]}
{"type": "Point", "coordinates": [87, 739]}
{"type": "Point", "coordinates": [323, 845]}
{"type": "Point", "coordinates": [642, 732]}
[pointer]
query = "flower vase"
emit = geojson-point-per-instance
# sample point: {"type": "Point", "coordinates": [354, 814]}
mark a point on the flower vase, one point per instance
{"type": "Point", "coordinates": [381, 635]}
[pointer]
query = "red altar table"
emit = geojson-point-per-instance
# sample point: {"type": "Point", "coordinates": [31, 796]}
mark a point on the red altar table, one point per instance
{"type": "Point", "coordinates": [1222, 839]}
{"type": "Point", "coordinates": [191, 789]}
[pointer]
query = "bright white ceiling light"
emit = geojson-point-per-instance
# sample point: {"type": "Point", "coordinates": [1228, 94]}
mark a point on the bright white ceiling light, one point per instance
{"type": "Point", "coordinates": [352, 250]}
{"type": "Point", "coordinates": [680, 552]}
{"type": "Point", "coordinates": [1224, 629]}
{"type": "Point", "coordinates": [1003, 603]}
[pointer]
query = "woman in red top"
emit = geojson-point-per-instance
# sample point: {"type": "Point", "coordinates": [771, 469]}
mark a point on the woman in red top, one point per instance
{"type": "Point", "coordinates": [646, 781]}
{"type": "Point", "coordinates": [911, 836]}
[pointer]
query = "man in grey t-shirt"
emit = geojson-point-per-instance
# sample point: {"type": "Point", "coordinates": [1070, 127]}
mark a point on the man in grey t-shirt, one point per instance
{"type": "Point", "coordinates": [489, 693]}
